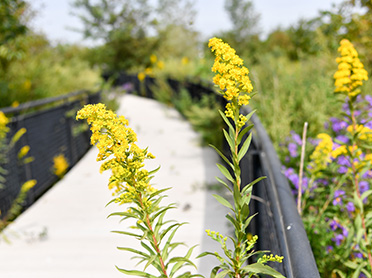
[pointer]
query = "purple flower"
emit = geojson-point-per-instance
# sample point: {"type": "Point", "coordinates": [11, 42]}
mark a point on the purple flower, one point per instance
{"type": "Point", "coordinates": [296, 138]}
{"type": "Point", "coordinates": [329, 249]}
{"type": "Point", "coordinates": [368, 98]}
{"type": "Point", "coordinates": [344, 161]}
{"type": "Point", "coordinates": [338, 125]}
{"type": "Point", "coordinates": [338, 200]}
{"type": "Point", "coordinates": [363, 186]}
{"type": "Point", "coordinates": [369, 124]}
{"type": "Point", "coordinates": [350, 207]}
{"type": "Point", "coordinates": [334, 225]}
{"type": "Point", "coordinates": [338, 239]}
{"type": "Point", "coordinates": [342, 138]}
{"type": "Point", "coordinates": [342, 170]}
{"type": "Point", "coordinates": [292, 147]}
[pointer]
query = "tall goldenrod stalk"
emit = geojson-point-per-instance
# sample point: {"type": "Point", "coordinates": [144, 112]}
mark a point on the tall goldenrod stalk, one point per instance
{"type": "Point", "coordinates": [235, 86]}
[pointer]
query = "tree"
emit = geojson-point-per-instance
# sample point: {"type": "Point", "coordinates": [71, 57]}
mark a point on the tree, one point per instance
{"type": "Point", "coordinates": [244, 34]}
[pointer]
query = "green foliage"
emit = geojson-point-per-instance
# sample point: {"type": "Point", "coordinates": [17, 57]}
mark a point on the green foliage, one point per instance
{"type": "Point", "coordinates": [289, 91]}
{"type": "Point", "coordinates": [45, 71]}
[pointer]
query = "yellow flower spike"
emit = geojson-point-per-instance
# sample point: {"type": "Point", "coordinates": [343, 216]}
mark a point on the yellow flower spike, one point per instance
{"type": "Point", "coordinates": [351, 73]}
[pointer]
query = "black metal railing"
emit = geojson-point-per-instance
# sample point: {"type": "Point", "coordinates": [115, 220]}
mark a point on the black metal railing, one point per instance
{"type": "Point", "coordinates": [51, 130]}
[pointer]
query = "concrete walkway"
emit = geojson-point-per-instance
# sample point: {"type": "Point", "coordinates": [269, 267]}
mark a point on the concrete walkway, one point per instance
{"type": "Point", "coordinates": [66, 233]}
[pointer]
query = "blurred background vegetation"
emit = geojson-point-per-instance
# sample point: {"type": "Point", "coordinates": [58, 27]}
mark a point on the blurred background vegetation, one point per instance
{"type": "Point", "coordinates": [291, 68]}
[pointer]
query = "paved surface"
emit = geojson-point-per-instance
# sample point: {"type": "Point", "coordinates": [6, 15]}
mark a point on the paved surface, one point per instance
{"type": "Point", "coordinates": [66, 233]}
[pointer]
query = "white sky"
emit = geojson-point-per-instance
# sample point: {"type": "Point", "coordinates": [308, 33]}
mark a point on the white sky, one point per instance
{"type": "Point", "coordinates": [53, 16]}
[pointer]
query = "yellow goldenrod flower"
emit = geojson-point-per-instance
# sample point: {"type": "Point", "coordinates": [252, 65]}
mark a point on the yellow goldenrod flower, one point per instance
{"type": "Point", "coordinates": [351, 72]}
{"type": "Point", "coordinates": [23, 151]}
{"type": "Point", "coordinates": [231, 77]}
{"type": "Point", "coordinates": [116, 144]}
{"type": "Point", "coordinates": [363, 133]}
{"type": "Point", "coordinates": [27, 85]}
{"type": "Point", "coordinates": [141, 76]}
{"type": "Point", "coordinates": [185, 61]}
{"type": "Point", "coordinates": [153, 59]}
{"type": "Point", "coordinates": [15, 104]}
{"type": "Point", "coordinates": [28, 185]}
{"type": "Point", "coordinates": [60, 165]}
{"type": "Point", "coordinates": [322, 153]}
{"type": "Point", "coordinates": [160, 64]}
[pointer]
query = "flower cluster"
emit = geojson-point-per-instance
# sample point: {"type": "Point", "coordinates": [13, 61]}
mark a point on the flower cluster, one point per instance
{"type": "Point", "coordinates": [116, 144]}
{"type": "Point", "coordinates": [232, 77]}
{"type": "Point", "coordinates": [351, 72]}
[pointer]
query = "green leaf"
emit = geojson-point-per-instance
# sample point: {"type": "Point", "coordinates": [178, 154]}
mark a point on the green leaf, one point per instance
{"type": "Point", "coordinates": [154, 171]}
{"type": "Point", "coordinates": [134, 251]}
{"type": "Point", "coordinates": [366, 194]}
{"type": "Point", "coordinates": [181, 261]}
{"type": "Point", "coordinates": [222, 156]}
{"type": "Point", "coordinates": [136, 273]}
{"type": "Point", "coordinates": [126, 233]}
{"type": "Point", "coordinates": [223, 201]}
{"type": "Point", "coordinates": [262, 269]}
{"type": "Point", "coordinates": [223, 273]}
{"type": "Point", "coordinates": [225, 172]}
{"type": "Point", "coordinates": [233, 221]}
{"type": "Point", "coordinates": [243, 150]}
{"type": "Point", "coordinates": [157, 192]}
{"type": "Point", "coordinates": [230, 141]}
{"type": "Point", "coordinates": [226, 121]}
{"type": "Point", "coordinates": [243, 132]}
{"type": "Point", "coordinates": [224, 183]}
{"type": "Point", "coordinates": [250, 114]}
{"type": "Point", "coordinates": [249, 185]}
{"type": "Point", "coordinates": [122, 213]}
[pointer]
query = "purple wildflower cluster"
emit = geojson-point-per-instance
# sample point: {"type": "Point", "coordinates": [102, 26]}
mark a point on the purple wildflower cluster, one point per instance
{"type": "Point", "coordinates": [340, 232]}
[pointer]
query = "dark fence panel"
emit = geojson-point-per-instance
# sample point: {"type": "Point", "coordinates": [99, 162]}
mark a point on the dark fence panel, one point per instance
{"type": "Point", "coordinates": [51, 131]}
{"type": "Point", "coordinates": [277, 224]}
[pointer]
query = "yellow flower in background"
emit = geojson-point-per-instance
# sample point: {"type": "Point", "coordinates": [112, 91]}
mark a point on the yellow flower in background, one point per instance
{"type": "Point", "coordinates": [23, 151]}
{"type": "Point", "coordinates": [28, 185]}
{"type": "Point", "coordinates": [153, 59]}
{"type": "Point", "coordinates": [322, 154]}
{"type": "Point", "coordinates": [160, 64]}
{"type": "Point", "coordinates": [3, 128]}
{"type": "Point", "coordinates": [185, 60]}
{"type": "Point", "coordinates": [141, 76]}
{"type": "Point", "coordinates": [27, 85]}
{"type": "Point", "coordinates": [116, 144]}
{"type": "Point", "coordinates": [15, 104]}
{"type": "Point", "coordinates": [60, 165]}
{"type": "Point", "coordinates": [364, 133]}
{"type": "Point", "coordinates": [351, 73]}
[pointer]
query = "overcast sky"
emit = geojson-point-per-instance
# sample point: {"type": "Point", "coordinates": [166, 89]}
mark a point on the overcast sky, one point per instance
{"type": "Point", "coordinates": [53, 16]}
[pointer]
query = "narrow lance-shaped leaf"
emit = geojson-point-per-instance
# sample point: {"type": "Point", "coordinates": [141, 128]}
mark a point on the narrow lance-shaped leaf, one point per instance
{"type": "Point", "coordinates": [136, 273]}
{"type": "Point", "coordinates": [222, 156]}
{"type": "Point", "coordinates": [226, 121]}
{"type": "Point", "coordinates": [243, 150]}
{"type": "Point", "coordinates": [225, 172]}
{"type": "Point", "coordinates": [259, 268]}
{"type": "Point", "coordinates": [223, 201]}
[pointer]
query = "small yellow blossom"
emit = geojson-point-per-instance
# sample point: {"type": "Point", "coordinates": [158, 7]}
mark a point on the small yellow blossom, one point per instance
{"type": "Point", "coordinates": [141, 76]}
{"type": "Point", "coordinates": [60, 165]}
{"type": "Point", "coordinates": [23, 151]}
{"type": "Point", "coordinates": [153, 59]}
{"type": "Point", "coordinates": [160, 64]}
{"type": "Point", "coordinates": [185, 61]}
{"type": "Point", "coordinates": [363, 133]}
{"type": "Point", "coordinates": [28, 185]}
